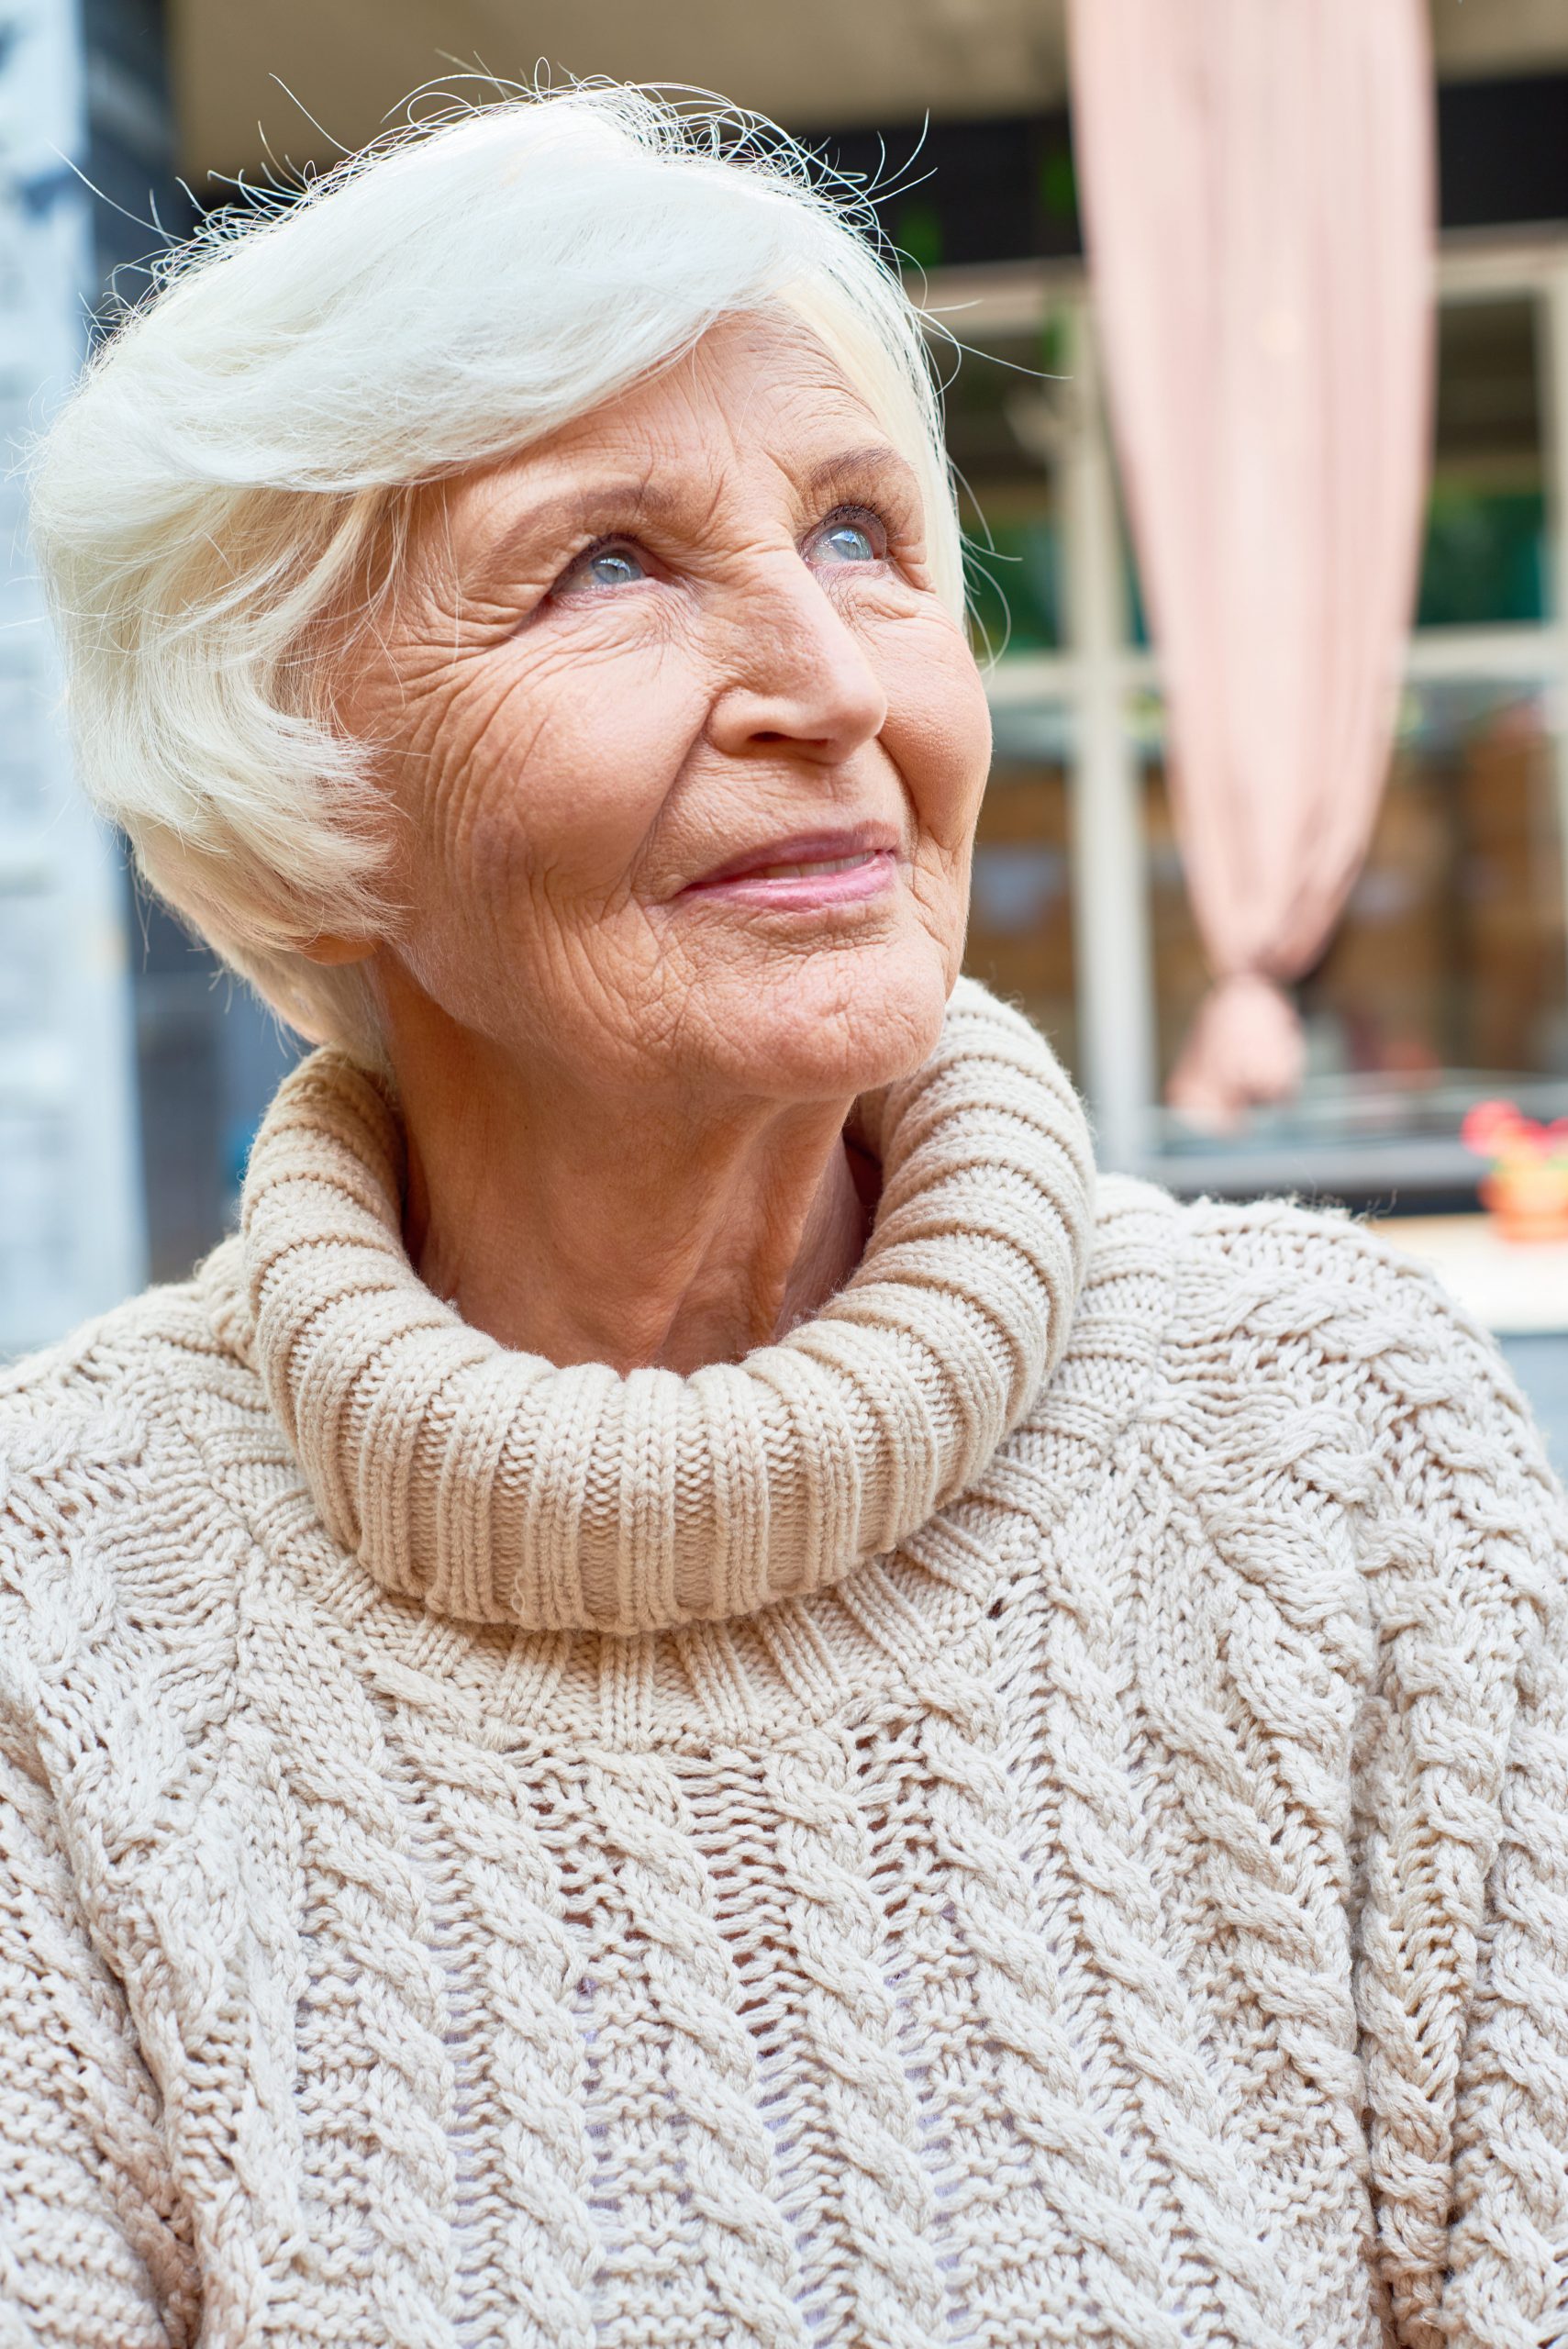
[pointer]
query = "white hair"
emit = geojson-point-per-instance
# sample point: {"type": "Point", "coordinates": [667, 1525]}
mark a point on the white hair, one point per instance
{"type": "Point", "coordinates": [240, 452]}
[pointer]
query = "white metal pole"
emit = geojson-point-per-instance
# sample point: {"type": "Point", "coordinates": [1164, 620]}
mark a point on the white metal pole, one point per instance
{"type": "Point", "coordinates": [71, 1224]}
{"type": "Point", "coordinates": [1110, 898]}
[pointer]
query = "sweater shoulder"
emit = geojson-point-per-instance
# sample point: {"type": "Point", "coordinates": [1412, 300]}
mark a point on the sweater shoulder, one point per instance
{"type": "Point", "coordinates": [129, 1357]}
{"type": "Point", "coordinates": [1266, 1269]}
{"type": "Point", "coordinates": [1272, 1267]}
{"type": "Point", "coordinates": [1269, 1305]}
{"type": "Point", "coordinates": [1286, 1310]}
{"type": "Point", "coordinates": [96, 1455]}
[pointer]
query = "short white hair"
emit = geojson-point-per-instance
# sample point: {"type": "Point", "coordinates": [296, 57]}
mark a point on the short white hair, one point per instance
{"type": "Point", "coordinates": [244, 445]}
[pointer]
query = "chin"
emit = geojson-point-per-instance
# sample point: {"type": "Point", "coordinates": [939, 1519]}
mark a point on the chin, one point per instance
{"type": "Point", "coordinates": [835, 1024]}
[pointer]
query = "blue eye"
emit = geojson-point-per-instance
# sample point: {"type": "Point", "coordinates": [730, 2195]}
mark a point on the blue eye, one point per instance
{"type": "Point", "coordinates": [848, 543]}
{"type": "Point", "coordinates": [613, 564]}
{"type": "Point", "coordinates": [613, 567]}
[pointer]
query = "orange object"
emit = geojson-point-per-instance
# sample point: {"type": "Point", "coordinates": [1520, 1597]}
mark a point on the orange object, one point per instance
{"type": "Point", "coordinates": [1528, 1202]}
{"type": "Point", "coordinates": [1526, 1191]}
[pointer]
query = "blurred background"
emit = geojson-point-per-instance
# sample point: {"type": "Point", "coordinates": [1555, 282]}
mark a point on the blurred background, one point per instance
{"type": "Point", "coordinates": [133, 1073]}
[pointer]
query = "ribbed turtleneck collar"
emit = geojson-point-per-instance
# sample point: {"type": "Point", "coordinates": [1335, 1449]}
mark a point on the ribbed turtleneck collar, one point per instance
{"type": "Point", "coordinates": [499, 1488]}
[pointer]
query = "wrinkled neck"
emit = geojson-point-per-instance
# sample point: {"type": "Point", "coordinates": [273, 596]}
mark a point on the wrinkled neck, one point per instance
{"type": "Point", "coordinates": [538, 1224]}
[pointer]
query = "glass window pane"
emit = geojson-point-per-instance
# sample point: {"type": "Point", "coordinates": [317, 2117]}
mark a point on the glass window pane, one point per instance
{"type": "Point", "coordinates": [1447, 978]}
{"type": "Point", "coordinates": [1020, 924]}
{"type": "Point", "coordinates": [1484, 557]}
{"type": "Point", "coordinates": [999, 427]}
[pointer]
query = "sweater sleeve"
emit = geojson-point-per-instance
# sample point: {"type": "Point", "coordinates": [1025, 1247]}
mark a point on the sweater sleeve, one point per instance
{"type": "Point", "coordinates": [1463, 1794]}
{"type": "Point", "coordinates": [95, 2243]}
{"type": "Point", "coordinates": [93, 2253]}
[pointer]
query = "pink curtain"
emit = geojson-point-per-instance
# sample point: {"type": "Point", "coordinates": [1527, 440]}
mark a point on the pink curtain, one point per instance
{"type": "Point", "coordinates": [1257, 181]}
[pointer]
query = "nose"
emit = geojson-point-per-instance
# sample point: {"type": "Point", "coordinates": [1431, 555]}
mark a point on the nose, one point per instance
{"type": "Point", "coordinates": [797, 675]}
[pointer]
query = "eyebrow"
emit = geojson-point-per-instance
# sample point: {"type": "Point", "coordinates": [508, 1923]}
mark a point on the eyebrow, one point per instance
{"type": "Point", "coordinates": [641, 499]}
{"type": "Point", "coordinates": [871, 457]}
{"type": "Point", "coordinates": [637, 499]}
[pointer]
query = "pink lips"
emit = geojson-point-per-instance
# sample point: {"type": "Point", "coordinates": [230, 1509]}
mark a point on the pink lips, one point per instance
{"type": "Point", "coordinates": [805, 871]}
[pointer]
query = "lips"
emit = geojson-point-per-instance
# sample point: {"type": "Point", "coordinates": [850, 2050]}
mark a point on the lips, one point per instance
{"type": "Point", "coordinates": [868, 851]}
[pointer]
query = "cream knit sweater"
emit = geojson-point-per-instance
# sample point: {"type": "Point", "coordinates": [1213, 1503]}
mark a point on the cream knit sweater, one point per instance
{"type": "Point", "coordinates": [1035, 1811]}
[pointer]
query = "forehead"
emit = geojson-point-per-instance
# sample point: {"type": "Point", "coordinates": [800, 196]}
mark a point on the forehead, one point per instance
{"type": "Point", "coordinates": [756, 394]}
{"type": "Point", "coordinates": [757, 376]}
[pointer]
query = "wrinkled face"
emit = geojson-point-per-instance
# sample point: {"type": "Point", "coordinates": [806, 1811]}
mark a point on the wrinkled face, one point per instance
{"type": "Point", "coordinates": [688, 751]}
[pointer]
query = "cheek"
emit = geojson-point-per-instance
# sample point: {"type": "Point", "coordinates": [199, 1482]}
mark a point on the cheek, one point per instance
{"type": "Point", "coordinates": [555, 786]}
{"type": "Point", "coordinates": [939, 727]}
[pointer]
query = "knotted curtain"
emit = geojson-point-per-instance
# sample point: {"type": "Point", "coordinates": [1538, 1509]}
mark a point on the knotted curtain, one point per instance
{"type": "Point", "coordinates": [1256, 184]}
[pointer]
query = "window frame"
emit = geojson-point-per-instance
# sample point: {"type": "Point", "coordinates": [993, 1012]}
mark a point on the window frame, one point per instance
{"type": "Point", "coordinates": [1099, 670]}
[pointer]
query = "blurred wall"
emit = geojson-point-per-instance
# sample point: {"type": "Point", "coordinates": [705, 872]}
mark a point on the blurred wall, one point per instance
{"type": "Point", "coordinates": [349, 63]}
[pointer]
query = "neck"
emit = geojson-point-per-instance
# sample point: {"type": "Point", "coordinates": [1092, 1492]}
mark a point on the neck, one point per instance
{"type": "Point", "coordinates": [529, 1212]}
{"type": "Point", "coordinates": [497, 1490]}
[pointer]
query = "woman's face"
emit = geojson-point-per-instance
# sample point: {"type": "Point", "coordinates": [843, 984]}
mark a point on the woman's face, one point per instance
{"type": "Point", "coordinates": [688, 751]}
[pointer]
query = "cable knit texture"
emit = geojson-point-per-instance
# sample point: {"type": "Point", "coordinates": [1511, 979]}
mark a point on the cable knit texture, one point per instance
{"type": "Point", "coordinates": [1033, 1811]}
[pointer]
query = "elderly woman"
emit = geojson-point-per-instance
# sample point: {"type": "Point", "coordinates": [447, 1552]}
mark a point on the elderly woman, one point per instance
{"type": "Point", "coordinates": [690, 1695]}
